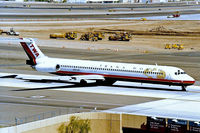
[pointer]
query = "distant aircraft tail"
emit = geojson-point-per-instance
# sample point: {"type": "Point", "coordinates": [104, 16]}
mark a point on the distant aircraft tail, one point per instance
{"type": "Point", "coordinates": [31, 50]}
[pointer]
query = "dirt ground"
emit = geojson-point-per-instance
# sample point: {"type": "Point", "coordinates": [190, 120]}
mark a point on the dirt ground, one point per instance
{"type": "Point", "coordinates": [147, 37]}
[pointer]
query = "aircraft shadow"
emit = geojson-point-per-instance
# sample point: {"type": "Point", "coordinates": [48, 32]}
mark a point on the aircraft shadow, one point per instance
{"type": "Point", "coordinates": [76, 85]}
{"type": "Point", "coordinates": [57, 87]}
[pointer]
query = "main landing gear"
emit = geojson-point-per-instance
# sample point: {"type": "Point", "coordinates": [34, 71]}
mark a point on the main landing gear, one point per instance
{"type": "Point", "coordinates": [106, 82]}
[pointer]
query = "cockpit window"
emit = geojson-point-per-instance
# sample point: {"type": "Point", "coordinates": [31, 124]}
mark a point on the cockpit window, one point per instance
{"type": "Point", "coordinates": [178, 73]}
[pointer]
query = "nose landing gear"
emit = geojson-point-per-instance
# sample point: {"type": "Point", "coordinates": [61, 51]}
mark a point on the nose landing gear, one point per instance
{"type": "Point", "coordinates": [183, 88]}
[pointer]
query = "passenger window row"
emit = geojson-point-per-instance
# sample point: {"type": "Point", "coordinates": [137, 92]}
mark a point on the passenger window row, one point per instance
{"type": "Point", "coordinates": [109, 69]}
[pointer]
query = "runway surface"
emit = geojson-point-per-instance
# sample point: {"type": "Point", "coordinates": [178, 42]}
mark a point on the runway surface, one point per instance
{"type": "Point", "coordinates": [94, 11]}
{"type": "Point", "coordinates": [120, 97]}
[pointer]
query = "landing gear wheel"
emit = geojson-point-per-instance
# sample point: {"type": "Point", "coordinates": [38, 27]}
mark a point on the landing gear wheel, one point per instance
{"type": "Point", "coordinates": [83, 82]}
{"type": "Point", "coordinates": [109, 82]}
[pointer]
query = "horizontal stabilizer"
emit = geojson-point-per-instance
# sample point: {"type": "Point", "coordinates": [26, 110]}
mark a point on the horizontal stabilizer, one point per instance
{"type": "Point", "coordinates": [9, 76]}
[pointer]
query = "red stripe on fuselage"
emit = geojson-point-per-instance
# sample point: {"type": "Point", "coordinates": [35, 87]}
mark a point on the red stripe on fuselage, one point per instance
{"type": "Point", "coordinates": [26, 48]}
{"type": "Point", "coordinates": [128, 77]}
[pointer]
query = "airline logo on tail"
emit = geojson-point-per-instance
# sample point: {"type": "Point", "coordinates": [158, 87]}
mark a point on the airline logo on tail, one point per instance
{"type": "Point", "coordinates": [33, 49]}
{"type": "Point", "coordinates": [30, 49]}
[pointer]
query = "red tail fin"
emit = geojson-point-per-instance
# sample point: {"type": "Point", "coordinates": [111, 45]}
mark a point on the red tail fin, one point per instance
{"type": "Point", "coordinates": [31, 50]}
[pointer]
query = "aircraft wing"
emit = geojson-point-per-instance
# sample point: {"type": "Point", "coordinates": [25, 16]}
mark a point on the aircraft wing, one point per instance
{"type": "Point", "coordinates": [88, 78]}
{"type": "Point", "coordinates": [56, 79]}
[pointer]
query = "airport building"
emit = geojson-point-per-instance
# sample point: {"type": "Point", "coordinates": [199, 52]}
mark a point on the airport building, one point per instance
{"type": "Point", "coordinates": [93, 1]}
{"type": "Point", "coordinates": [116, 1]}
{"type": "Point", "coordinates": [102, 1]}
{"type": "Point", "coordinates": [126, 1]}
{"type": "Point", "coordinates": [108, 1]}
{"type": "Point", "coordinates": [13, 0]}
{"type": "Point", "coordinates": [110, 123]}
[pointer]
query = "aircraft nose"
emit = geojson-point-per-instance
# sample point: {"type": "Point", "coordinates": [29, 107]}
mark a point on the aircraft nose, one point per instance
{"type": "Point", "coordinates": [188, 79]}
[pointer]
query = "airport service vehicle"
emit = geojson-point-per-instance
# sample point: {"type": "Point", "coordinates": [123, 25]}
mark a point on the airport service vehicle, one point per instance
{"type": "Point", "coordinates": [12, 32]}
{"type": "Point", "coordinates": [178, 46]}
{"type": "Point", "coordinates": [89, 37]}
{"type": "Point", "coordinates": [68, 35]}
{"type": "Point", "coordinates": [174, 46]}
{"type": "Point", "coordinates": [57, 35]}
{"type": "Point", "coordinates": [174, 15]}
{"type": "Point", "coordinates": [103, 73]}
{"type": "Point", "coordinates": [168, 46]}
{"type": "Point", "coordinates": [71, 35]}
{"type": "Point", "coordinates": [99, 35]}
{"type": "Point", "coordinates": [120, 37]}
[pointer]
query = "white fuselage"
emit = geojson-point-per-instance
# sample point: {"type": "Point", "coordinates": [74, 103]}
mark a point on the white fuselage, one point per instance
{"type": "Point", "coordinates": [116, 71]}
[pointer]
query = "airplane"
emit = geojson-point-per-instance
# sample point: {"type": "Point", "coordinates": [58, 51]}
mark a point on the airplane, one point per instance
{"type": "Point", "coordinates": [103, 73]}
